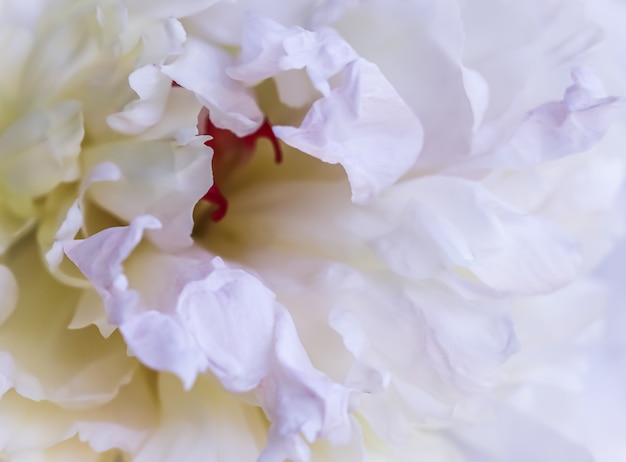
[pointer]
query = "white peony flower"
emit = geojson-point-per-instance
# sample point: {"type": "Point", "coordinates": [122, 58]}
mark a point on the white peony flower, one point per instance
{"type": "Point", "coordinates": [309, 231]}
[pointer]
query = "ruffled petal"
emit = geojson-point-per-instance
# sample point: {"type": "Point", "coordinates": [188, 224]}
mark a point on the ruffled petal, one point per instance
{"type": "Point", "coordinates": [557, 129]}
{"type": "Point", "coordinates": [299, 400]}
{"type": "Point", "coordinates": [152, 87]}
{"type": "Point", "coordinates": [32, 430]}
{"type": "Point", "coordinates": [363, 125]}
{"type": "Point", "coordinates": [64, 218]}
{"type": "Point", "coordinates": [43, 360]}
{"type": "Point", "coordinates": [406, 40]}
{"type": "Point", "coordinates": [210, 325]}
{"type": "Point", "coordinates": [201, 69]}
{"type": "Point", "coordinates": [157, 178]}
{"type": "Point", "coordinates": [189, 313]}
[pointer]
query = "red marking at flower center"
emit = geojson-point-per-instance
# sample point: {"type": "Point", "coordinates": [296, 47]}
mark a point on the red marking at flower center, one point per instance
{"type": "Point", "coordinates": [231, 151]}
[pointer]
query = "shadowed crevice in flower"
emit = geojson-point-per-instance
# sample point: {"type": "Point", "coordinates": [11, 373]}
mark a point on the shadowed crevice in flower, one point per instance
{"type": "Point", "coordinates": [231, 151]}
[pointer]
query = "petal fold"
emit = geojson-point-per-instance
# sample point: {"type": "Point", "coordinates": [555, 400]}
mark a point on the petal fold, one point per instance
{"type": "Point", "coordinates": [363, 125]}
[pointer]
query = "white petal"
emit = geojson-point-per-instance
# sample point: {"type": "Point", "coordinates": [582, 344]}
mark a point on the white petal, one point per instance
{"type": "Point", "coordinates": [219, 319]}
{"type": "Point", "coordinates": [100, 259]}
{"type": "Point", "coordinates": [558, 128]}
{"type": "Point", "coordinates": [572, 125]}
{"type": "Point", "coordinates": [322, 53]}
{"type": "Point", "coordinates": [153, 88]}
{"type": "Point", "coordinates": [189, 313]}
{"type": "Point", "coordinates": [365, 126]}
{"type": "Point", "coordinates": [513, 437]}
{"type": "Point", "coordinates": [300, 400]}
{"type": "Point", "coordinates": [69, 219]}
{"type": "Point", "coordinates": [163, 9]}
{"type": "Point", "coordinates": [41, 150]}
{"type": "Point", "coordinates": [406, 40]}
{"type": "Point", "coordinates": [201, 69]}
{"type": "Point", "coordinates": [506, 249]}
{"type": "Point", "coordinates": [538, 257]}
{"type": "Point", "coordinates": [161, 40]}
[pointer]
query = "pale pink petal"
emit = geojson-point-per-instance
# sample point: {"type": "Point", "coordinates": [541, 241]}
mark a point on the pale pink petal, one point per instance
{"type": "Point", "coordinates": [202, 321]}
{"type": "Point", "coordinates": [163, 311]}
{"type": "Point", "coordinates": [190, 313]}
{"type": "Point", "coordinates": [558, 128]}
{"type": "Point", "coordinates": [100, 259]}
{"type": "Point", "coordinates": [67, 223]}
{"type": "Point", "coordinates": [363, 125]}
{"type": "Point", "coordinates": [418, 46]}
{"type": "Point", "coordinates": [300, 400]}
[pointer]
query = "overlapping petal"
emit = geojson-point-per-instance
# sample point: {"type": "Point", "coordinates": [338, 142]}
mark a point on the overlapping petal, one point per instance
{"type": "Point", "coordinates": [188, 314]}
{"type": "Point", "coordinates": [423, 308]}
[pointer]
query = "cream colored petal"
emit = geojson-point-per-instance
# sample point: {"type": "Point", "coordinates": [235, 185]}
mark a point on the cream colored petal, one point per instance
{"type": "Point", "coordinates": [8, 293]}
{"type": "Point", "coordinates": [157, 178]}
{"type": "Point", "coordinates": [31, 430]}
{"type": "Point", "coordinates": [40, 151]}
{"type": "Point", "coordinates": [71, 368]}
{"type": "Point", "coordinates": [204, 424]}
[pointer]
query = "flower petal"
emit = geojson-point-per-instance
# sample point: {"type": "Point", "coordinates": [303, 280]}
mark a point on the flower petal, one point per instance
{"type": "Point", "coordinates": [322, 53]}
{"type": "Point", "coordinates": [158, 178]}
{"type": "Point", "coordinates": [189, 313]}
{"type": "Point", "coordinates": [300, 400]}
{"type": "Point", "coordinates": [203, 423]}
{"type": "Point", "coordinates": [40, 151]}
{"type": "Point", "coordinates": [201, 69]}
{"type": "Point", "coordinates": [558, 128]}
{"type": "Point", "coordinates": [363, 125]}
{"type": "Point", "coordinates": [43, 359]}
{"type": "Point", "coordinates": [8, 289]}
{"type": "Point", "coordinates": [506, 249]}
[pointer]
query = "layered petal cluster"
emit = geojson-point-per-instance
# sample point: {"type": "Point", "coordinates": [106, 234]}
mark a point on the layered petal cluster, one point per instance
{"type": "Point", "coordinates": [412, 274]}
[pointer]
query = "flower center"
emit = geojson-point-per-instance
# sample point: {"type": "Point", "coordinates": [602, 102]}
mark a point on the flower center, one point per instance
{"type": "Point", "coordinates": [230, 152]}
